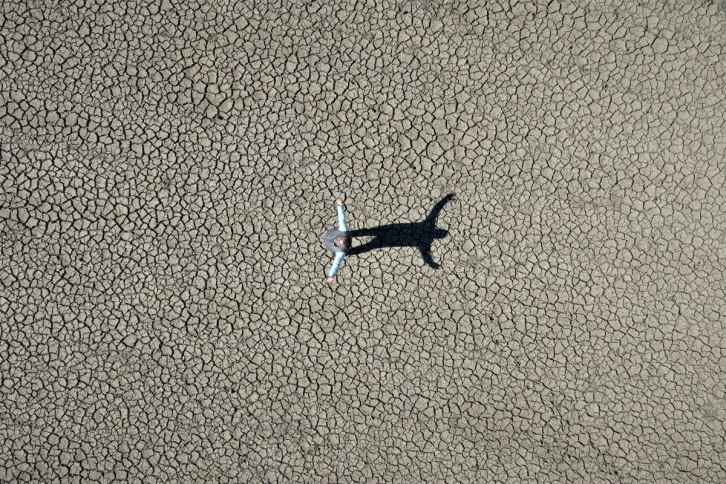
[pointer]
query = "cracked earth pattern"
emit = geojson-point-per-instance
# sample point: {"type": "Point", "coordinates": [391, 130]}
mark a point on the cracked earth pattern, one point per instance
{"type": "Point", "coordinates": [168, 172]}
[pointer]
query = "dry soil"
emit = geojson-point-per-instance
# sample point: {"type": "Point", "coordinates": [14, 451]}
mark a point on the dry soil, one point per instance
{"type": "Point", "coordinates": [167, 173]}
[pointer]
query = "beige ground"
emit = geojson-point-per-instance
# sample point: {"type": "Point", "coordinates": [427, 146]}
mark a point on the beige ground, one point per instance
{"type": "Point", "coordinates": [167, 174]}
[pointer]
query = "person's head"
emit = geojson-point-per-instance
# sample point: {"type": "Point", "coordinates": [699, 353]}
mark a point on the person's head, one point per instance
{"type": "Point", "coordinates": [342, 242]}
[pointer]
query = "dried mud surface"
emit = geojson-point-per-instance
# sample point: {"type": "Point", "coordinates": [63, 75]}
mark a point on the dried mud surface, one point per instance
{"type": "Point", "coordinates": [166, 176]}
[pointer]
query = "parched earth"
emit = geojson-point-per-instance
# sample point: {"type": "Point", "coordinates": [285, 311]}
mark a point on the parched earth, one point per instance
{"type": "Point", "coordinates": [167, 173]}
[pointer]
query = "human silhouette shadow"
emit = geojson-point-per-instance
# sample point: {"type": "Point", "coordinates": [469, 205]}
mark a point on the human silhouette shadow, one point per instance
{"type": "Point", "coordinates": [414, 234]}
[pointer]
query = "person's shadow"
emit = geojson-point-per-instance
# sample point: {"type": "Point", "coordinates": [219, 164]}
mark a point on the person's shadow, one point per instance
{"type": "Point", "coordinates": [414, 234]}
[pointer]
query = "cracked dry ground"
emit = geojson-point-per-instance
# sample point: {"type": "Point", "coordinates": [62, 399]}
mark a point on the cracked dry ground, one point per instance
{"type": "Point", "coordinates": [167, 175]}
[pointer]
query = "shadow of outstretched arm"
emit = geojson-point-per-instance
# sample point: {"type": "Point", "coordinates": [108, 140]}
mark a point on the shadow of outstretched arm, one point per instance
{"type": "Point", "coordinates": [427, 257]}
{"type": "Point", "coordinates": [430, 221]}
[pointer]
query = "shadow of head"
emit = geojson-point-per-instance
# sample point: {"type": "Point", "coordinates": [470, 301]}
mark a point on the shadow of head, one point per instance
{"type": "Point", "coordinates": [439, 233]}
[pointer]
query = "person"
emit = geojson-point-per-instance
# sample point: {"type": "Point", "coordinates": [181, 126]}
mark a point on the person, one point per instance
{"type": "Point", "coordinates": [338, 240]}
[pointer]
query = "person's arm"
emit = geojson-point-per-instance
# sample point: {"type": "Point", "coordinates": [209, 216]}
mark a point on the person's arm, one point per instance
{"type": "Point", "coordinates": [336, 265]}
{"type": "Point", "coordinates": [342, 218]}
